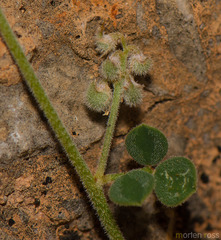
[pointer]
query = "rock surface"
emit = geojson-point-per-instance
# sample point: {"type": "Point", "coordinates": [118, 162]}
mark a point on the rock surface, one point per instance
{"type": "Point", "coordinates": [40, 195]}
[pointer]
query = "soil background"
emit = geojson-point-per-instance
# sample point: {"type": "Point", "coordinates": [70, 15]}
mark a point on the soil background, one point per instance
{"type": "Point", "coordinates": [41, 197]}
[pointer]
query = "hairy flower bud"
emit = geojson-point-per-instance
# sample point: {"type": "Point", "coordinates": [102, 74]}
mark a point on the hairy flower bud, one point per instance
{"type": "Point", "coordinates": [139, 64]}
{"type": "Point", "coordinates": [98, 96]}
{"type": "Point", "coordinates": [106, 44]}
{"type": "Point", "coordinates": [115, 58]}
{"type": "Point", "coordinates": [109, 70]}
{"type": "Point", "coordinates": [132, 93]}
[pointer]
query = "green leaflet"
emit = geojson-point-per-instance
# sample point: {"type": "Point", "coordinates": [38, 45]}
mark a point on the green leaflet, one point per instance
{"type": "Point", "coordinates": [147, 145]}
{"type": "Point", "coordinates": [132, 188]}
{"type": "Point", "coordinates": [175, 181]}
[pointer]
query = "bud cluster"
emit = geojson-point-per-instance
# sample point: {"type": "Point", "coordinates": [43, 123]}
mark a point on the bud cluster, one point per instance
{"type": "Point", "coordinates": [120, 66]}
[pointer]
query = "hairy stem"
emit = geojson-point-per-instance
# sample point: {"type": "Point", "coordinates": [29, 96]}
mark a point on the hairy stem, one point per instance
{"type": "Point", "coordinates": [107, 178]}
{"type": "Point", "coordinates": [109, 131]}
{"type": "Point", "coordinates": [94, 191]}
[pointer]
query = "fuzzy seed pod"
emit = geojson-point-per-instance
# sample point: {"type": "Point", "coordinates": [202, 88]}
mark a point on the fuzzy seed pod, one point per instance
{"type": "Point", "coordinates": [132, 93]}
{"type": "Point", "coordinates": [98, 96]}
{"type": "Point", "coordinates": [109, 70]}
{"type": "Point", "coordinates": [139, 64]}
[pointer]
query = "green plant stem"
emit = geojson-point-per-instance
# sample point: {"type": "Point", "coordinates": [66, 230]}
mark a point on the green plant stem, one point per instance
{"type": "Point", "coordinates": [118, 86]}
{"type": "Point", "coordinates": [94, 191]}
{"type": "Point", "coordinates": [148, 169]}
{"type": "Point", "coordinates": [109, 131]}
{"type": "Point", "coordinates": [107, 178]}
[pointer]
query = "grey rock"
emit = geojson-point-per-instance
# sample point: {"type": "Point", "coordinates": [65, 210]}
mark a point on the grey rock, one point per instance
{"type": "Point", "coordinates": [183, 37]}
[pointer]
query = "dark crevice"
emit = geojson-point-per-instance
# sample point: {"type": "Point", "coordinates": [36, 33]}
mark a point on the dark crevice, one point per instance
{"type": "Point", "coordinates": [204, 178]}
{"type": "Point", "coordinates": [11, 222]}
{"type": "Point", "coordinates": [159, 102]}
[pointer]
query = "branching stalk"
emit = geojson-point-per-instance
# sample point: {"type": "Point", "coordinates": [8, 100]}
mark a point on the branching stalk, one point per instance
{"type": "Point", "coordinates": [94, 191]}
{"type": "Point", "coordinates": [118, 87]}
{"type": "Point", "coordinates": [110, 130]}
